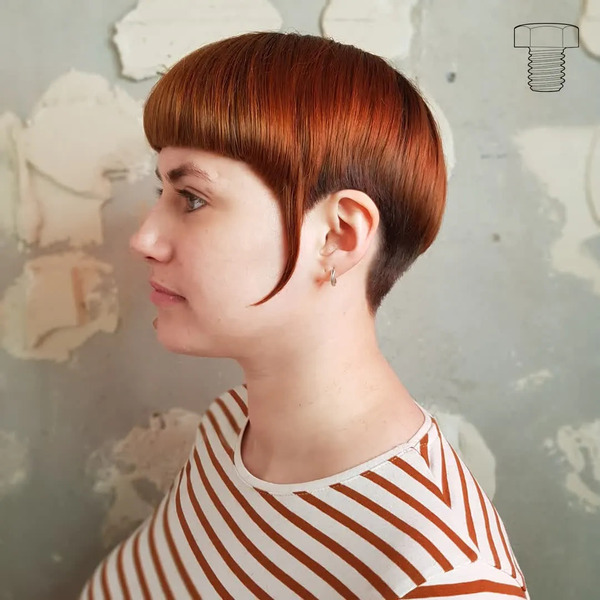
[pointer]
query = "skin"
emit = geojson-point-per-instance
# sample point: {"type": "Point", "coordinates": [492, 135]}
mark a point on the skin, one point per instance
{"type": "Point", "coordinates": [321, 396]}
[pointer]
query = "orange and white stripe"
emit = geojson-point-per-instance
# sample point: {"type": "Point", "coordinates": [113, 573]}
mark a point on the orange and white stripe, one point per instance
{"type": "Point", "coordinates": [411, 523]}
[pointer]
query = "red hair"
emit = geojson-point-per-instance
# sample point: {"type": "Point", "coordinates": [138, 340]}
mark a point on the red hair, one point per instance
{"type": "Point", "coordinates": [312, 116]}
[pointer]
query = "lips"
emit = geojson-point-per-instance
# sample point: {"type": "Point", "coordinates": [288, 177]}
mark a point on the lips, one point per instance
{"type": "Point", "coordinates": [164, 290]}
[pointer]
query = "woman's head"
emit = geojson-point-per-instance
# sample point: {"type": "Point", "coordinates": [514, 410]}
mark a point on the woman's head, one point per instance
{"type": "Point", "coordinates": [341, 157]}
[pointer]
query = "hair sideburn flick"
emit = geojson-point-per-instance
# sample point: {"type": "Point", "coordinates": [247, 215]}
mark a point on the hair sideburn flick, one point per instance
{"type": "Point", "coordinates": [312, 116]}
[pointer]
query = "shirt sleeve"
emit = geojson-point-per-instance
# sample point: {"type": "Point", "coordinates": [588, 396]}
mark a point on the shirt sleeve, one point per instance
{"type": "Point", "coordinates": [475, 581]}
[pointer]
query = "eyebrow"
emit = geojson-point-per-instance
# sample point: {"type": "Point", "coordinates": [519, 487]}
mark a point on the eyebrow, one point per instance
{"type": "Point", "coordinates": [186, 169]}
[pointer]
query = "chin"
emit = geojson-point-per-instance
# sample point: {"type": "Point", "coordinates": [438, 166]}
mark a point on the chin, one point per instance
{"type": "Point", "coordinates": [170, 338]}
{"type": "Point", "coordinates": [178, 342]}
{"type": "Point", "coordinates": [174, 344]}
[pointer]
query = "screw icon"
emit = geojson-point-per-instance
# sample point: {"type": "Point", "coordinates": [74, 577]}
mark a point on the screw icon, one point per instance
{"type": "Point", "coordinates": [546, 43]}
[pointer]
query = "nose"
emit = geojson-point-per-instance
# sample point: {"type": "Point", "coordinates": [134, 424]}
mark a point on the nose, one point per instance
{"type": "Point", "coordinates": [151, 239]}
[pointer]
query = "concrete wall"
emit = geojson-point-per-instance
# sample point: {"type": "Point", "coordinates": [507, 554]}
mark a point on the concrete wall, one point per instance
{"type": "Point", "coordinates": [495, 330]}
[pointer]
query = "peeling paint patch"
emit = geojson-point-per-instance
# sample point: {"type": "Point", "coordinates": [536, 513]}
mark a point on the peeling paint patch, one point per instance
{"type": "Point", "coordinates": [533, 380]}
{"type": "Point", "coordinates": [100, 132]}
{"type": "Point", "coordinates": [58, 302]}
{"type": "Point", "coordinates": [579, 449]}
{"type": "Point", "coordinates": [589, 26]}
{"type": "Point", "coordinates": [137, 471]}
{"type": "Point", "coordinates": [51, 196]}
{"type": "Point", "coordinates": [383, 27]}
{"type": "Point", "coordinates": [593, 179]}
{"type": "Point", "coordinates": [14, 462]}
{"type": "Point", "coordinates": [156, 34]}
{"type": "Point", "coordinates": [10, 126]}
{"type": "Point", "coordinates": [558, 157]}
{"type": "Point", "coordinates": [470, 446]}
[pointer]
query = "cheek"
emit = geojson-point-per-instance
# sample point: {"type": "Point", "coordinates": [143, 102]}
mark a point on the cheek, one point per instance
{"type": "Point", "coordinates": [209, 273]}
{"type": "Point", "coordinates": [234, 268]}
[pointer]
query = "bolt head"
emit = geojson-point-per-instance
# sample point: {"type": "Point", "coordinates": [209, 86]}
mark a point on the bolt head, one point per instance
{"type": "Point", "coordinates": [546, 35]}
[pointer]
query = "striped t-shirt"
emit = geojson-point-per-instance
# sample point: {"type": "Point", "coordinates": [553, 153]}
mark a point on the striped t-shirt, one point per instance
{"type": "Point", "coordinates": [410, 523]}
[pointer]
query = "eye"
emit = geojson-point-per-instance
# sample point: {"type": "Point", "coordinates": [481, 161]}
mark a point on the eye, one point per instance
{"type": "Point", "coordinates": [192, 199]}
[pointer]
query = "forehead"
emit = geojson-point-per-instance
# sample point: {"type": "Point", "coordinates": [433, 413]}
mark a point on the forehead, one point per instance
{"type": "Point", "coordinates": [223, 175]}
{"type": "Point", "coordinates": [214, 168]}
{"type": "Point", "coordinates": [179, 162]}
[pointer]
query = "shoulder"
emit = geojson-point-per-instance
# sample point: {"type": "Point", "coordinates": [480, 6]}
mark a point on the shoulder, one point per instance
{"type": "Point", "coordinates": [476, 580]}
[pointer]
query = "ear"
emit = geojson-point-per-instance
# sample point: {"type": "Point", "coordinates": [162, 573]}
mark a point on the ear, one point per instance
{"type": "Point", "coordinates": [352, 222]}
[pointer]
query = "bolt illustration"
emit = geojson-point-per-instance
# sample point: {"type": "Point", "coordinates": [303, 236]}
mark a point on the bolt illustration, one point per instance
{"type": "Point", "coordinates": [546, 43]}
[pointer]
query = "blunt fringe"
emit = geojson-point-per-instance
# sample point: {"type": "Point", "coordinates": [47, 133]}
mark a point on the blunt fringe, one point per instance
{"type": "Point", "coordinates": [312, 116]}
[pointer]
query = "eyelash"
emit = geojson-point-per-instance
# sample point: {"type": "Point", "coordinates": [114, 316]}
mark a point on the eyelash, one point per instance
{"type": "Point", "coordinates": [187, 195]}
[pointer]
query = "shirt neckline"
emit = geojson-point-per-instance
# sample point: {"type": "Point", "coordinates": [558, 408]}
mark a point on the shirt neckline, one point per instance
{"type": "Point", "coordinates": [309, 486]}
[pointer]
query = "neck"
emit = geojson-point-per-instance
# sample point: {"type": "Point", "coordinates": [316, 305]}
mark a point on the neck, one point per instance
{"type": "Point", "coordinates": [304, 411]}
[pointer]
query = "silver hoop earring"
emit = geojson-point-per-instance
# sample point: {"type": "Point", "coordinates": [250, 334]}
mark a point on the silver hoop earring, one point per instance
{"type": "Point", "coordinates": [333, 279]}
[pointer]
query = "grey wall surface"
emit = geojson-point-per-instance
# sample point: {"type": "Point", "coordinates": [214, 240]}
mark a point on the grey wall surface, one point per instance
{"type": "Point", "coordinates": [484, 325]}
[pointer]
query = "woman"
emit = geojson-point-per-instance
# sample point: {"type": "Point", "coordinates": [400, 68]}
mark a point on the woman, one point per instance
{"type": "Point", "coordinates": [297, 163]}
